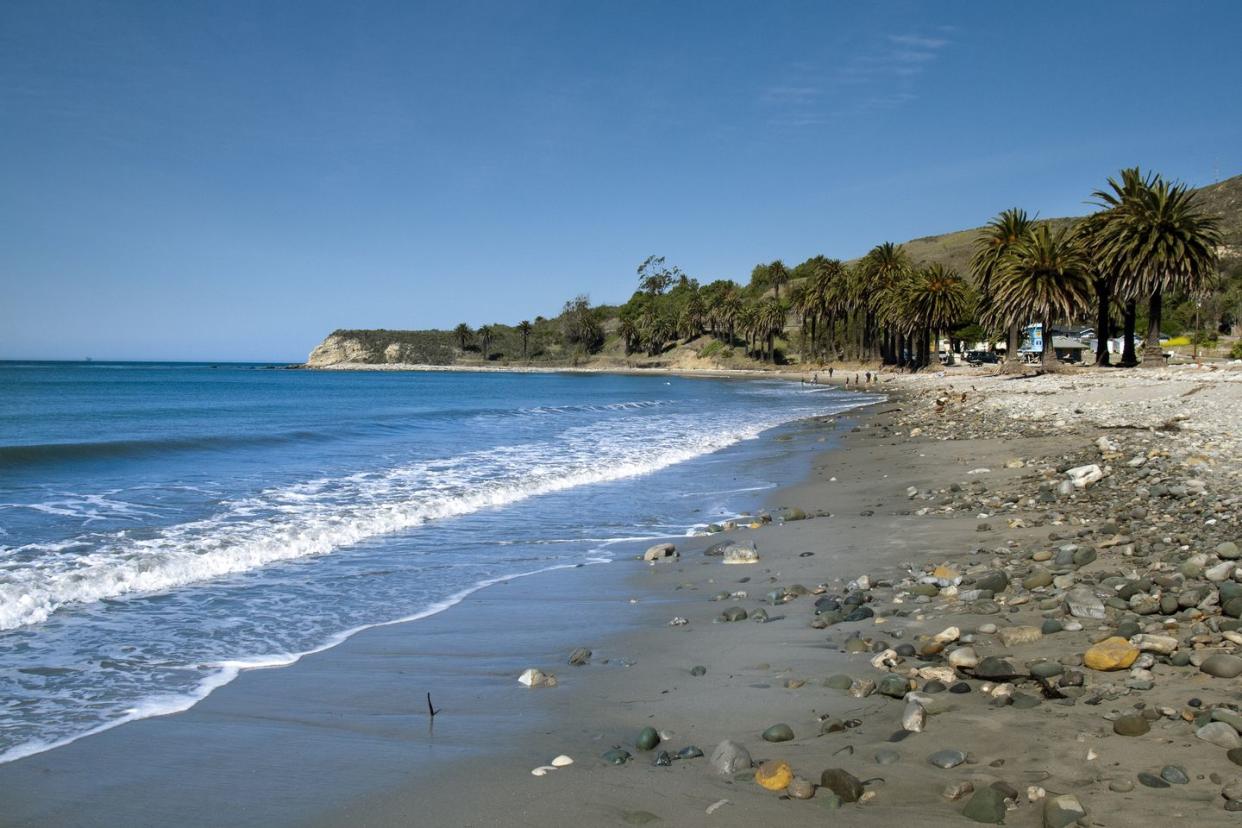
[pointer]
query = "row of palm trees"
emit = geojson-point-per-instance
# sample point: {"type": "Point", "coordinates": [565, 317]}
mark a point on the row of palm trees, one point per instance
{"type": "Point", "coordinates": [486, 335]}
{"type": "Point", "coordinates": [1149, 238]}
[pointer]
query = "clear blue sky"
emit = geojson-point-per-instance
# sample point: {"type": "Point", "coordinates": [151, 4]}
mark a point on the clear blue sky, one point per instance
{"type": "Point", "coordinates": [232, 180]}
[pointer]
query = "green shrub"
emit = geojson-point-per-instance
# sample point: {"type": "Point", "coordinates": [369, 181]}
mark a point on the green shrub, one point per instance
{"type": "Point", "coordinates": [1236, 351]}
{"type": "Point", "coordinates": [712, 349]}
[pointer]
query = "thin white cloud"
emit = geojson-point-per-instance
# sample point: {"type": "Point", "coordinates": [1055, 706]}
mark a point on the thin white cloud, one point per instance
{"type": "Point", "coordinates": [883, 75]}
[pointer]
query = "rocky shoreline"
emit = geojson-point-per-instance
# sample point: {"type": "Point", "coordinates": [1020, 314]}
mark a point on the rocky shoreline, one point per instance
{"type": "Point", "coordinates": [1002, 600]}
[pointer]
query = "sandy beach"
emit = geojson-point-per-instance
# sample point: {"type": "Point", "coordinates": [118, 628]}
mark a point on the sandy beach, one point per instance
{"type": "Point", "coordinates": [931, 601]}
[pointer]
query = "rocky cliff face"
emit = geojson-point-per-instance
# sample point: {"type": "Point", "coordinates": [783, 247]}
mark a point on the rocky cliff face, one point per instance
{"type": "Point", "coordinates": [382, 347]}
{"type": "Point", "coordinates": [337, 349]}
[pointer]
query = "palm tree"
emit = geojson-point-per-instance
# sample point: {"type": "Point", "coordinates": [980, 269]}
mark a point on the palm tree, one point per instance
{"type": "Point", "coordinates": [745, 321]}
{"type": "Point", "coordinates": [730, 311]}
{"type": "Point", "coordinates": [524, 328]}
{"type": "Point", "coordinates": [628, 331]}
{"type": "Point", "coordinates": [883, 269]}
{"type": "Point", "coordinates": [937, 298]}
{"type": "Point", "coordinates": [463, 334]}
{"type": "Point", "coordinates": [991, 249]}
{"type": "Point", "coordinates": [1131, 183]}
{"type": "Point", "coordinates": [1102, 281]}
{"type": "Point", "coordinates": [770, 321]}
{"type": "Point", "coordinates": [1159, 240]}
{"type": "Point", "coordinates": [690, 323]}
{"type": "Point", "coordinates": [485, 334]}
{"type": "Point", "coordinates": [778, 275]}
{"type": "Point", "coordinates": [1045, 276]}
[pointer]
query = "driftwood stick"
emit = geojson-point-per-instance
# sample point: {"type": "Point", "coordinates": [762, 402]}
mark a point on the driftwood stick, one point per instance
{"type": "Point", "coordinates": [431, 709]}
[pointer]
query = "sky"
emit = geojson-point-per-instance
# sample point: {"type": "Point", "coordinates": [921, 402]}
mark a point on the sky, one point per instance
{"type": "Point", "coordinates": [234, 180]}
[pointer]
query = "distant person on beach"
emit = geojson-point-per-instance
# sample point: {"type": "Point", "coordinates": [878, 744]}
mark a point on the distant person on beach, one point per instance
{"type": "Point", "coordinates": [829, 372]}
{"type": "Point", "coordinates": [868, 378]}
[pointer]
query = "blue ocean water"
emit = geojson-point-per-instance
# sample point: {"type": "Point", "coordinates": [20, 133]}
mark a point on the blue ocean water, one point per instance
{"type": "Point", "coordinates": [165, 526]}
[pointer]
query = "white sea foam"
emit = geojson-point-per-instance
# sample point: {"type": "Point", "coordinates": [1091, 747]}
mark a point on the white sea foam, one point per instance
{"type": "Point", "coordinates": [320, 516]}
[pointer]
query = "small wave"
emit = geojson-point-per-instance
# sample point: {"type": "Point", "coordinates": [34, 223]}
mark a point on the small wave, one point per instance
{"type": "Point", "coordinates": [224, 672]}
{"type": "Point", "coordinates": [13, 456]}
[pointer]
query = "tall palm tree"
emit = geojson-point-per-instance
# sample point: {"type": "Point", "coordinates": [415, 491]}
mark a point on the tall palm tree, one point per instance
{"type": "Point", "coordinates": [690, 323]}
{"type": "Point", "coordinates": [524, 328]}
{"type": "Point", "coordinates": [769, 322]}
{"type": "Point", "coordinates": [883, 269]}
{"type": "Point", "coordinates": [778, 275]}
{"type": "Point", "coordinates": [463, 334]}
{"type": "Point", "coordinates": [730, 311]}
{"type": "Point", "coordinates": [937, 298]}
{"type": "Point", "coordinates": [1121, 191]}
{"type": "Point", "coordinates": [1160, 240]}
{"type": "Point", "coordinates": [485, 335]}
{"type": "Point", "coordinates": [1046, 276]}
{"type": "Point", "coordinates": [991, 248]}
{"type": "Point", "coordinates": [1090, 236]}
{"type": "Point", "coordinates": [628, 331]}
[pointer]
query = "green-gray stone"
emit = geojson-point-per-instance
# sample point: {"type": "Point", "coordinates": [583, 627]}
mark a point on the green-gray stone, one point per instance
{"type": "Point", "coordinates": [616, 756]}
{"type": "Point", "coordinates": [1046, 669]}
{"type": "Point", "coordinates": [647, 739]}
{"type": "Point", "coordinates": [1131, 725]}
{"type": "Point", "coordinates": [987, 806]}
{"type": "Point", "coordinates": [842, 783]}
{"type": "Point", "coordinates": [778, 733]}
{"type": "Point", "coordinates": [893, 686]}
{"type": "Point", "coordinates": [838, 682]}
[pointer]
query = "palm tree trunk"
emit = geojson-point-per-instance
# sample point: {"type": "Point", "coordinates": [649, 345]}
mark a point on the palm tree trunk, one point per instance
{"type": "Point", "coordinates": [1104, 296]}
{"type": "Point", "coordinates": [1128, 357]}
{"type": "Point", "coordinates": [1153, 356]}
{"type": "Point", "coordinates": [1015, 342]}
{"type": "Point", "coordinates": [1048, 359]}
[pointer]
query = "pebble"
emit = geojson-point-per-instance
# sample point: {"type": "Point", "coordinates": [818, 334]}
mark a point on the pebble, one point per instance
{"type": "Point", "coordinates": [842, 783]}
{"type": "Point", "coordinates": [1222, 666]}
{"type": "Point", "coordinates": [947, 758]}
{"type": "Point", "coordinates": [647, 739]}
{"type": "Point", "coordinates": [778, 733]}
{"type": "Point", "coordinates": [986, 806]}
{"type": "Point", "coordinates": [1131, 725]}
{"type": "Point", "coordinates": [729, 758]}
{"type": "Point", "coordinates": [1219, 734]}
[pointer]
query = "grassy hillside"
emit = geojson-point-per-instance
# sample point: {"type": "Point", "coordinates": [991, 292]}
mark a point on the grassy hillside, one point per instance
{"type": "Point", "coordinates": [954, 249]}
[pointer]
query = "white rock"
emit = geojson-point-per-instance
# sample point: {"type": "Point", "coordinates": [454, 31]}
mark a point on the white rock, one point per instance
{"type": "Point", "coordinates": [964, 658]}
{"type": "Point", "coordinates": [660, 552]}
{"type": "Point", "coordinates": [562, 761]}
{"type": "Point", "coordinates": [947, 635]}
{"type": "Point", "coordinates": [537, 678]}
{"type": "Point", "coordinates": [1084, 476]}
{"type": "Point", "coordinates": [738, 554]}
{"type": "Point", "coordinates": [1162, 644]}
{"type": "Point", "coordinates": [913, 718]}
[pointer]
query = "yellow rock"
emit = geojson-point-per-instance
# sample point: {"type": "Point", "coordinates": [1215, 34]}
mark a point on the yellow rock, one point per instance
{"type": "Point", "coordinates": [946, 572]}
{"type": "Point", "coordinates": [774, 775]}
{"type": "Point", "coordinates": [1110, 654]}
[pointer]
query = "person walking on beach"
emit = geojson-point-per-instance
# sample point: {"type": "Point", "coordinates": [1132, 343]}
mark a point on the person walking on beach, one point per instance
{"type": "Point", "coordinates": [829, 372]}
{"type": "Point", "coordinates": [868, 378]}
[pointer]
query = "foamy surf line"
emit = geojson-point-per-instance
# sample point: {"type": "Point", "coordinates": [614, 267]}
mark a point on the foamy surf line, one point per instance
{"type": "Point", "coordinates": [228, 671]}
{"type": "Point", "coordinates": [245, 538]}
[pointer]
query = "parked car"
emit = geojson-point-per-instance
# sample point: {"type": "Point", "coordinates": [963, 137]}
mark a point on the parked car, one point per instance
{"type": "Point", "coordinates": [981, 358]}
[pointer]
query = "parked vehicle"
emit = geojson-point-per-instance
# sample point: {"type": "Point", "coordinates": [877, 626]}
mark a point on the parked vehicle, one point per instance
{"type": "Point", "coordinates": [981, 358]}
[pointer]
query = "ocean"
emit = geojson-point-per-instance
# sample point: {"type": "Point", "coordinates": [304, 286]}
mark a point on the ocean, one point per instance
{"type": "Point", "coordinates": [164, 527]}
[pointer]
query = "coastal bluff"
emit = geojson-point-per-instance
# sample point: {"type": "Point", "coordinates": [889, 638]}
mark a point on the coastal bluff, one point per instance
{"type": "Point", "coordinates": [382, 347]}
